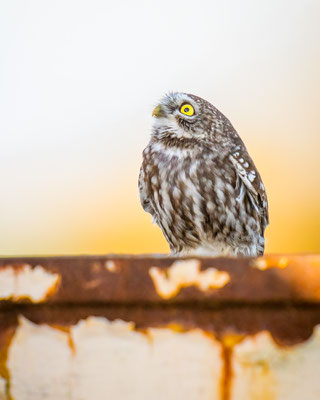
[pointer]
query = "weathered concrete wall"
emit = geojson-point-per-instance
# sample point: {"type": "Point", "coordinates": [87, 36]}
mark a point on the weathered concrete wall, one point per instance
{"type": "Point", "coordinates": [158, 328]}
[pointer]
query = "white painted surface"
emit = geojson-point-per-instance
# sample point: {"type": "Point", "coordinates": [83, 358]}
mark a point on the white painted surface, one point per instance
{"type": "Point", "coordinates": [39, 363]}
{"type": "Point", "coordinates": [7, 283]}
{"type": "Point", "coordinates": [113, 361]}
{"type": "Point", "coordinates": [265, 371]}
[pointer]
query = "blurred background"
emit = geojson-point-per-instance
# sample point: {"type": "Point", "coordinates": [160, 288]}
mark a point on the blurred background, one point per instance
{"type": "Point", "coordinates": [79, 80]}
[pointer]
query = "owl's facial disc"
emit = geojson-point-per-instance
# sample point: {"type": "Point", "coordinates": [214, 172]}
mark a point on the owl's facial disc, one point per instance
{"type": "Point", "coordinates": [176, 106]}
{"type": "Point", "coordinates": [177, 116]}
{"type": "Point", "coordinates": [186, 109]}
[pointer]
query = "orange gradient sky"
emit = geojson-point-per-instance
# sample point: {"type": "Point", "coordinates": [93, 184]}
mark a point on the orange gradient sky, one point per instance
{"type": "Point", "coordinates": [78, 82]}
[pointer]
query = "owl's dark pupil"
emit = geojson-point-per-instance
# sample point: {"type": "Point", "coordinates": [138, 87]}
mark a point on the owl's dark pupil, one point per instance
{"type": "Point", "coordinates": [186, 109]}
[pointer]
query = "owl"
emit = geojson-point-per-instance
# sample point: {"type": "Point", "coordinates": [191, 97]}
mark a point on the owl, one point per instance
{"type": "Point", "coordinates": [199, 183]}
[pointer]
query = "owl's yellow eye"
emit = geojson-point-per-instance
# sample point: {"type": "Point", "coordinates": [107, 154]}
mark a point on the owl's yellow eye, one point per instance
{"type": "Point", "coordinates": [187, 109]}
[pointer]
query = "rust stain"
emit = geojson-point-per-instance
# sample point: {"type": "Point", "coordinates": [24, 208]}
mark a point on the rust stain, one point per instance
{"type": "Point", "coordinates": [54, 287]}
{"type": "Point", "coordinates": [227, 373]}
{"type": "Point", "coordinates": [5, 341]}
{"type": "Point", "coordinates": [92, 284]}
{"type": "Point", "coordinates": [96, 267]}
{"type": "Point", "coordinates": [228, 341]}
{"type": "Point", "coordinates": [175, 327]}
{"type": "Point", "coordinates": [147, 333]}
{"type": "Point", "coordinates": [66, 329]}
{"type": "Point", "coordinates": [267, 392]}
{"type": "Point", "coordinates": [261, 383]}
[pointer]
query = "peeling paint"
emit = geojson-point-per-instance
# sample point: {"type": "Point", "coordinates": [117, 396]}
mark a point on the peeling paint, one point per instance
{"type": "Point", "coordinates": [84, 279]}
{"type": "Point", "coordinates": [111, 266]}
{"type": "Point", "coordinates": [263, 263]}
{"type": "Point", "coordinates": [186, 273]}
{"type": "Point", "coordinates": [35, 283]}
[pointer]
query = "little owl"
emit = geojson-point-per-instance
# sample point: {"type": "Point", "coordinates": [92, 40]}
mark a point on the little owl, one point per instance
{"type": "Point", "coordinates": [199, 183]}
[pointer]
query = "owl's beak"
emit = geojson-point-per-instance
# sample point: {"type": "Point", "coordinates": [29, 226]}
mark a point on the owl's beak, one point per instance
{"type": "Point", "coordinates": [158, 112]}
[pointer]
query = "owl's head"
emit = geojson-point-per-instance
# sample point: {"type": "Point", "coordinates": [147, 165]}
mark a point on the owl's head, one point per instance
{"type": "Point", "coordinates": [181, 115]}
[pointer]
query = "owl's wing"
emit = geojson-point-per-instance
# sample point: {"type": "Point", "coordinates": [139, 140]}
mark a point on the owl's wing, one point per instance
{"type": "Point", "coordinates": [143, 193]}
{"type": "Point", "coordinates": [249, 182]}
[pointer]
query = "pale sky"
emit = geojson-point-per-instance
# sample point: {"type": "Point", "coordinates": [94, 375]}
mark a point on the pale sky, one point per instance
{"type": "Point", "coordinates": [78, 82]}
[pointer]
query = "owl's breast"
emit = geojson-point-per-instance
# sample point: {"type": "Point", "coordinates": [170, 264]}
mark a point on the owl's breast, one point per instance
{"type": "Point", "coordinates": [188, 175]}
{"type": "Point", "coordinates": [182, 184]}
{"type": "Point", "coordinates": [194, 198]}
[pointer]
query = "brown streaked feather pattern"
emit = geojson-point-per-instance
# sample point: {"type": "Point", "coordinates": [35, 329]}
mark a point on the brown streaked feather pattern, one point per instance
{"type": "Point", "coordinates": [199, 183]}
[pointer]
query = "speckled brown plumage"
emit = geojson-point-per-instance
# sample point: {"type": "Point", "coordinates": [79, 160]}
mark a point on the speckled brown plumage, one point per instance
{"type": "Point", "coordinates": [199, 183]}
